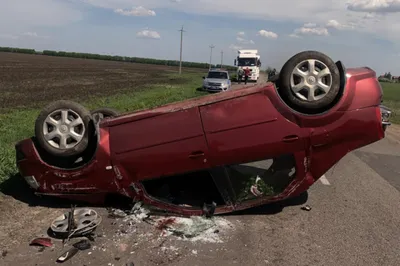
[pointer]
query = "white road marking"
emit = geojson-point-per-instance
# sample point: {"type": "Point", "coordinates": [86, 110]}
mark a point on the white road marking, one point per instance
{"type": "Point", "coordinates": [324, 180]}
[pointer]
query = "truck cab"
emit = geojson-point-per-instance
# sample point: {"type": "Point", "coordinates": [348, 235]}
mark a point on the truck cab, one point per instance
{"type": "Point", "coordinates": [249, 59]}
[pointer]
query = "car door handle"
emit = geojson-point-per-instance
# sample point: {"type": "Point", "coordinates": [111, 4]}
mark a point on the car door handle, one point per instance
{"type": "Point", "coordinates": [290, 138]}
{"type": "Point", "coordinates": [196, 154]}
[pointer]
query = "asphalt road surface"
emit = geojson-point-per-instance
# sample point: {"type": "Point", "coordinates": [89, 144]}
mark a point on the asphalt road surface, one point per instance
{"type": "Point", "coordinates": [261, 80]}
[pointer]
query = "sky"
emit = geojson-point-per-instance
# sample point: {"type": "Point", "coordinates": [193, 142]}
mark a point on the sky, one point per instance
{"type": "Point", "coordinates": [357, 32]}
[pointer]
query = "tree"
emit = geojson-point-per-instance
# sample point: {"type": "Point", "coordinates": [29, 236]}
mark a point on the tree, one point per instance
{"type": "Point", "coordinates": [388, 75]}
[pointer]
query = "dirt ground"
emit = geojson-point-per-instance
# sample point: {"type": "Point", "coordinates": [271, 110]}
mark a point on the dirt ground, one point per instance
{"type": "Point", "coordinates": [117, 240]}
{"type": "Point", "coordinates": [24, 78]}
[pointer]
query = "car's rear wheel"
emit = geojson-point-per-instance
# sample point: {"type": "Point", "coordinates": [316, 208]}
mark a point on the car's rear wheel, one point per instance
{"type": "Point", "coordinates": [63, 128]}
{"type": "Point", "coordinates": [103, 113]}
{"type": "Point", "coordinates": [309, 82]}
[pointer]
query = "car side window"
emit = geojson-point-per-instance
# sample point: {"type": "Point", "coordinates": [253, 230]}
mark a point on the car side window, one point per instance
{"type": "Point", "coordinates": [263, 178]}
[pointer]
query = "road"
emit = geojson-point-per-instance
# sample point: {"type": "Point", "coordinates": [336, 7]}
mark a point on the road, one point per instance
{"type": "Point", "coordinates": [354, 220]}
{"type": "Point", "coordinates": [262, 80]}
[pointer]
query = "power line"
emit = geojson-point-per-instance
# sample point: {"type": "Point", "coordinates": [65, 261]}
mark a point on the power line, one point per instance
{"type": "Point", "coordinates": [180, 58]}
{"type": "Point", "coordinates": [211, 47]}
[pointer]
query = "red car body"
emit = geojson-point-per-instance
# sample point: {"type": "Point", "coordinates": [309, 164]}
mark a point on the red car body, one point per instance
{"type": "Point", "coordinates": [238, 126]}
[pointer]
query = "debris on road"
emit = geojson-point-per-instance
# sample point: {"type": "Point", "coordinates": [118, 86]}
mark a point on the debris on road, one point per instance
{"type": "Point", "coordinates": [67, 255]}
{"type": "Point", "coordinates": [77, 222]}
{"type": "Point", "coordinates": [82, 245]}
{"type": "Point", "coordinates": [306, 208]}
{"type": "Point", "coordinates": [42, 241]}
{"type": "Point", "coordinates": [195, 228]}
{"type": "Point", "coordinates": [115, 213]}
{"type": "Point", "coordinates": [78, 246]}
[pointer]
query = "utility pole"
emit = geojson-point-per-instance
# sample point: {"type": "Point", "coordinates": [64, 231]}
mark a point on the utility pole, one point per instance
{"type": "Point", "coordinates": [211, 47]}
{"type": "Point", "coordinates": [180, 59]}
{"type": "Point", "coordinates": [222, 57]}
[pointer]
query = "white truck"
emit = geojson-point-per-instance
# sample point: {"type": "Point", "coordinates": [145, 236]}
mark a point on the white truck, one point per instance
{"type": "Point", "coordinates": [249, 59]}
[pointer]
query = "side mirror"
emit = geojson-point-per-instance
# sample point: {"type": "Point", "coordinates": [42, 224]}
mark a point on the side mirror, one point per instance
{"type": "Point", "coordinates": [204, 77]}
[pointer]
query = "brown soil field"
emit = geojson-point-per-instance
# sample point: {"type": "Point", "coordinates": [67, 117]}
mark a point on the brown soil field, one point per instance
{"type": "Point", "coordinates": [26, 80]}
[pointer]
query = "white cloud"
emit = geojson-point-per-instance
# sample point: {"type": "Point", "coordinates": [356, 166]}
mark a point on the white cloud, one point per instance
{"type": "Point", "coordinates": [334, 24]}
{"type": "Point", "coordinates": [268, 34]}
{"type": "Point", "coordinates": [308, 25]}
{"type": "Point", "coordinates": [235, 47]}
{"type": "Point", "coordinates": [294, 35]}
{"type": "Point", "coordinates": [18, 36]}
{"type": "Point", "coordinates": [33, 35]}
{"type": "Point", "coordinates": [382, 6]}
{"type": "Point", "coordinates": [30, 34]}
{"type": "Point", "coordinates": [321, 11]}
{"type": "Point", "coordinates": [339, 26]}
{"type": "Point", "coordinates": [9, 36]}
{"type": "Point", "coordinates": [244, 41]}
{"type": "Point", "coordinates": [313, 30]}
{"type": "Point", "coordinates": [139, 11]}
{"type": "Point", "coordinates": [148, 34]}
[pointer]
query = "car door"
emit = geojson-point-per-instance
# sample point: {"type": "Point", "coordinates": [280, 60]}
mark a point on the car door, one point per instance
{"type": "Point", "coordinates": [161, 145]}
{"type": "Point", "coordinates": [256, 145]}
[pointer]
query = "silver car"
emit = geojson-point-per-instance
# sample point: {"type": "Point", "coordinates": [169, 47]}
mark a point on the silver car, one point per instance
{"type": "Point", "coordinates": [217, 80]}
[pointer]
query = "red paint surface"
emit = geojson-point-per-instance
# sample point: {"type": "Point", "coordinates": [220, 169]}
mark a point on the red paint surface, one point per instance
{"type": "Point", "coordinates": [41, 241]}
{"type": "Point", "coordinates": [227, 128]}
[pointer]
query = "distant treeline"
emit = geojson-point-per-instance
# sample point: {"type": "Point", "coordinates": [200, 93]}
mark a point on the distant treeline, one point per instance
{"type": "Point", "coordinates": [111, 58]}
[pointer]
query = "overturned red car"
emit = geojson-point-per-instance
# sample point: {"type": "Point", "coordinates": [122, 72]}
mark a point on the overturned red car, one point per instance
{"type": "Point", "coordinates": [221, 152]}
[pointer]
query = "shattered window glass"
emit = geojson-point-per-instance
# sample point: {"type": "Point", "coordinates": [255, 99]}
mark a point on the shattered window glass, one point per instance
{"type": "Point", "coordinates": [264, 178]}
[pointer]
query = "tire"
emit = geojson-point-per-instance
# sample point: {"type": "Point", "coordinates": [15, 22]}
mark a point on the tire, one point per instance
{"type": "Point", "coordinates": [79, 139]}
{"type": "Point", "coordinates": [293, 91]}
{"type": "Point", "coordinates": [105, 112]}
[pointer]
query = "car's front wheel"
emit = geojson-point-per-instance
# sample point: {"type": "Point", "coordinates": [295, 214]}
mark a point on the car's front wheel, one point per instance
{"type": "Point", "coordinates": [309, 82]}
{"type": "Point", "coordinates": [63, 128]}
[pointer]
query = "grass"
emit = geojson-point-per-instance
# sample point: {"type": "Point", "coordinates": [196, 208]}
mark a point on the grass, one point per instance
{"type": "Point", "coordinates": [19, 124]}
{"type": "Point", "coordinates": [391, 99]}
